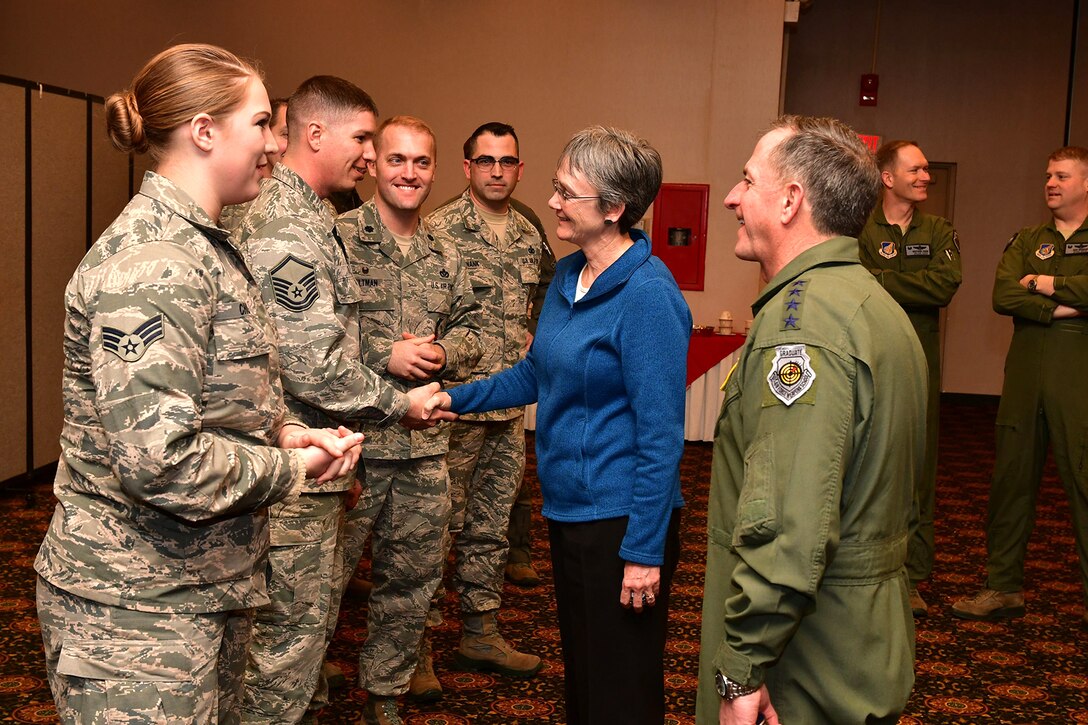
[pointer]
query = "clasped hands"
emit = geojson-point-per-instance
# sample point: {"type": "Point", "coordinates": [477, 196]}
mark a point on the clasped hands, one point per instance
{"type": "Point", "coordinates": [327, 453]}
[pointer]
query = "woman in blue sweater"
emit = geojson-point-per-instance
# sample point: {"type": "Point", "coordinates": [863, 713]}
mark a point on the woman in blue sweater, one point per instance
{"type": "Point", "coordinates": [607, 370]}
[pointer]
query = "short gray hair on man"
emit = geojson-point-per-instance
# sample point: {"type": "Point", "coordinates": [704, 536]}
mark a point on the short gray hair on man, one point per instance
{"type": "Point", "coordinates": [623, 168]}
{"type": "Point", "coordinates": [837, 170]}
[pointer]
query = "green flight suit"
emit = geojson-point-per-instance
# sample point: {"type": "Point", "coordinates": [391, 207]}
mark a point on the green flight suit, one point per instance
{"type": "Point", "coordinates": [815, 455]}
{"type": "Point", "coordinates": [1041, 400]}
{"type": "Point", "coordinates": [921, 271]}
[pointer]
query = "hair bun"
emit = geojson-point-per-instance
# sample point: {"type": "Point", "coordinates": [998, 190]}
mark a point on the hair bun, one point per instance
{"type": "Point", "coordinates": [124, 124]}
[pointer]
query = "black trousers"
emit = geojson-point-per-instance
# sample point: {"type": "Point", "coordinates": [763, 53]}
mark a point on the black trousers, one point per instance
{"type": "Point", "coordinates": [612, 657]}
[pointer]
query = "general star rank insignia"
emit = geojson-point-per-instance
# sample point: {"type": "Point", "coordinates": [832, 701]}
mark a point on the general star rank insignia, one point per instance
{"type": "Point", "coordinates": [294, 284]}
{"type": "Point", "coordinates": [1045, 251]}
{"type": "Point", "coordinates": [888, 250]}
{"type": "Point", "coordinates": [791, 373]}
{"type": "Point", "coordinates": [131, 346]}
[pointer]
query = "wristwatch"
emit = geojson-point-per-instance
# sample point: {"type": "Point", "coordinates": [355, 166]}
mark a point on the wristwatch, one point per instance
{"type": "Point", "coordinates": [730, 689]}
{"type": "Point", "coordinates": [1033, 283]}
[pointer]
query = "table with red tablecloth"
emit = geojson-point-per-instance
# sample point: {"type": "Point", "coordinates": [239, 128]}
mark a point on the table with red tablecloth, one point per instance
{"type": "Point", "coordinates": [710, 358]}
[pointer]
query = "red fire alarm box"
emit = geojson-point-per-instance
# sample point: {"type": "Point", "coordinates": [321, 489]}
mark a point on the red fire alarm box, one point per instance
{"type": "Point", "coordinates": [679, 231]}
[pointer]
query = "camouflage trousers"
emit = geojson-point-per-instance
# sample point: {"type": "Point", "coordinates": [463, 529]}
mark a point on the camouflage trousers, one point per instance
{"type": "Point", "coordinates": [521, 521]}
{"type": "Point", "coordinates": [405, 507]}
{"type": "Point", "coordinates": [292, 632]}
{"type": "Point", "coordinates": [486, 460]}
{"type": "Point", "coordinates": [110, 665]}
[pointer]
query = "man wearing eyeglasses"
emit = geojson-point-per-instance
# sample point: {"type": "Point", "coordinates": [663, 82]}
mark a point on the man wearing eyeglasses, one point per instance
{"type": "Point", "coordinates": [501, 249]}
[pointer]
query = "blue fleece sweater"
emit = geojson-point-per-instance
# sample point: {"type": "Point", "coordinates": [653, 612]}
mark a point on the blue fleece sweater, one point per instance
{"type": "Point", "coordinates": [608, 373]}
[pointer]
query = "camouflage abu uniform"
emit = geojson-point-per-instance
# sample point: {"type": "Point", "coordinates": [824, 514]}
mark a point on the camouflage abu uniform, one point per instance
{"type": "Point", "coordinates": [157, 545]}
{"type": "Point", "coordinates": [405, 497]}
{"type": "Point", "coordinates": [288, 242]}
{"type": "Point", "coordinates": [521, 515]}
{"type": "Point", "coordinates": [487, 450]}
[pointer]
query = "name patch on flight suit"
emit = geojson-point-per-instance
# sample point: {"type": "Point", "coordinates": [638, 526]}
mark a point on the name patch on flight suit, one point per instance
{"type": "Point", "coordinates": [888, 250]}
{"type": "Point", "coordinates": [917, 250]}
{"type": "Point", "coordinates": [1076, 248]}
{"type": "Point", "coordinates": [131, 346]}
{"type": "Point", "coordinates": [791, 374]}
{"type": "Point", "coordinates": [294, 284]}
{"type": "Point", "coordinates": [1045, 251]}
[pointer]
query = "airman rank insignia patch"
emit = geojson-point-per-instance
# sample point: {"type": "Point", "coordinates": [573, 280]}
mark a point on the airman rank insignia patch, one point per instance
{"type": "Point", "coordinates": [294, 284]}
{"type": "Point", "coordinates": [131, 346]}
{"type": "Point", "coordinates": [888, 250]}
{"type": "Point", "coordinates": [791, 373]}
{"type": "Point", "coordinates": [1076, 248]}
{"type": "Point", "coordinates": [1045, 251]}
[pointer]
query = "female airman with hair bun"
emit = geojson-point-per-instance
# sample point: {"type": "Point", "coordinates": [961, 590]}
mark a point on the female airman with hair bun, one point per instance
{"type": "Point", "coordinates": [175, 438]}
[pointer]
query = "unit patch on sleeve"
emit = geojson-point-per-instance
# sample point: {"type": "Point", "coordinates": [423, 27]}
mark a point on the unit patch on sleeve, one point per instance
{"type": "Point", "coordinates": [294, 284]}
{"type": "Point", "coordinates": [791, 374]}
{"type": "Point", "coordinates": [131, 346]}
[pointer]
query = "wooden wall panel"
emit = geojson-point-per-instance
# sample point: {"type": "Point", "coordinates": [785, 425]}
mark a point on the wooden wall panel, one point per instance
{"type": "Point", "coordinates": [59, 209]}
{"type": "Point", "coordinates": [109, 175]}
{"type": "Point", "coordinates": [13, 417]}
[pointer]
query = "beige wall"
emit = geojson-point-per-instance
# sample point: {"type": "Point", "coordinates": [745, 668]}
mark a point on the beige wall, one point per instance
{"type": "Point", "coordinates": [696, 77]}
{"type": "Point", "coordinates": [982, 84]}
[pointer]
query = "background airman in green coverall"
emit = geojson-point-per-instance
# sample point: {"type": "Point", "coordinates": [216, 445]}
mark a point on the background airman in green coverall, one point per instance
{"type": "Point", "coordinates": [501, 250]}
{"type": "Point", "coordinates": [420, 322]}
{"type": "Point", "coordinates": [806, 614]}
{"type": "Point", "coordinates": [288, 241]}
{"type": "Point", "coordinates": [916, 258]}
{"type": "Point", "coordinates": [1042, 283]}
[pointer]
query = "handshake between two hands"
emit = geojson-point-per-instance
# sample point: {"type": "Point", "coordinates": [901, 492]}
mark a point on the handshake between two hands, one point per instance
{"type": "Point", "coordinates": [428, 406]}
{"type": "Point", "coordinates": [331, 453]}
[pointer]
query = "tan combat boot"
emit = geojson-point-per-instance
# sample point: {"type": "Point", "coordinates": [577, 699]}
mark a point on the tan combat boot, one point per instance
{"type": "Point", "coordinates": [379, 710]}
{"type": "Point", "coordinates": [484, 650]}
{"type": "Point", "coordinates": [522, 574]}
{"type": "Point", "coordinates": [424, 685]}
{"type": "Point", "coordinates": [917, 605]}
{"type": "Point", "coordinates": [989, 605]}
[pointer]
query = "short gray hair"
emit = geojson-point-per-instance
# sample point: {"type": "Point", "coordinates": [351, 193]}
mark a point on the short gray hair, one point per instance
{"type": "Point", "coordinates": [837, 170]}
{"type": "Point", "coordinates": [623, 168]}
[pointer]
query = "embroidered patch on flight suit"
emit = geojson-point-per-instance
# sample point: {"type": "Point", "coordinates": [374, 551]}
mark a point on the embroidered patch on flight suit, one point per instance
{"type": "Point", "coordinates": [917, 250]}
{"type": "Point", "coordinates": [791, 374]}
{"type": "Point", "coordinates": [1076, 248]}
{"type": "Point", "coordinates": [791, 312]}
{"type": "Point", "coordinates": [1045, 251]}
{"type": "Point", "coordinates": [294, 284]}
{"type": "Point", "coordinates": [888, 250]}
{"type": "Point", "coordinates": [131, 346]}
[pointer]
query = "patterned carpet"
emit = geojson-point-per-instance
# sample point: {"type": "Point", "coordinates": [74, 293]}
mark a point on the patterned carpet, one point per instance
{"type": "Point", "coordinates": [1032, 670]}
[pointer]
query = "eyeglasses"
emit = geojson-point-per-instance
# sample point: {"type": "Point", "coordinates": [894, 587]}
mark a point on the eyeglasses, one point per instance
{"type": "Point", "coordinates": [486, 163]}
{"type": "Point", "coordinates": [566, 195]}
